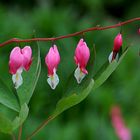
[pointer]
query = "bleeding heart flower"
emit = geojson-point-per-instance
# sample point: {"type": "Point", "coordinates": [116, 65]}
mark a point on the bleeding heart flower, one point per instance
{"type": "Point", "coordinates": [52, 60]}
{"type": "Point", "coordinates": [19, 59]}
{"type": "Point", "coordinates": [117, 45]}
{"type": "Point", "coordinates": [82, 54]}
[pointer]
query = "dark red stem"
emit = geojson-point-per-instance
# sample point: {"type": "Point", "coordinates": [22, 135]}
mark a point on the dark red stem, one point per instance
{"type": "Point", "coordinates": [69, 35]}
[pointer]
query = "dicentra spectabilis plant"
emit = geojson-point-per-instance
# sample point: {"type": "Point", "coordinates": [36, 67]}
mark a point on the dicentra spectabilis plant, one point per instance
{"type": "Point", "coordinates": [25, 67]}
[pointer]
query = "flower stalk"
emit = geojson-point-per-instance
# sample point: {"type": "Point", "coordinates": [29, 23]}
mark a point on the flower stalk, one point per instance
{"type": "Point", "coordinates": [16, 40]}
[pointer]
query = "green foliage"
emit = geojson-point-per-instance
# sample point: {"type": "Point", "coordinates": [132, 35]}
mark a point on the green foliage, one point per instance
{"type": "Point", "coordinates": [8, 126]}
{"type": "Point", "coordinates": [21, 118]}
{"type": "Point", "coordinates": [30, 78]}
{"type": "Point", "coordinates": [5, 124]}
{"type": "Point", "coordinates": [106, 70]}
{"type": "Point", "coordinates": [8, 98]}
{"type": "Point", "coordinates": [76, 93]}
{"type": "Point", "coordinates": [89, 119]}
{"type": "Point", "coordinates": [74, 98]}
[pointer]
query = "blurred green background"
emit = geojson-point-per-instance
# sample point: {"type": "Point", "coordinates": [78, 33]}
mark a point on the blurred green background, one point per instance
{"type": "Point", "coordinates": [90, 120]}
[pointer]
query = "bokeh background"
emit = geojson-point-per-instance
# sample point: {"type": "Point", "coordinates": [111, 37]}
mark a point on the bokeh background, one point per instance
{"type": "Point", "coordinates": [90, 120]}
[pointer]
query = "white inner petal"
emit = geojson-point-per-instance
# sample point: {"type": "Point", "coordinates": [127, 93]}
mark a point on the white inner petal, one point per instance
{"type": "Point", "coordinates": [79, 75]}
{"type": "Point", "coordinates": [53, 80]}
{"type": "Point", "coordinates": [111, 55]}
{"type": "Point", "coordinates": [17, 78]}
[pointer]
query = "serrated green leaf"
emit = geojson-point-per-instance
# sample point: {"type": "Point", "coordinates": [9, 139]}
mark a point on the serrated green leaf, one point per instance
{"type": "Point", "coordinates": [30, 78]}
{"type": "Point", "coordinates": [21, 118]}
{"type": "Point", "coordinates": [106, 70]}
{"type": "Point", "coordinates": [7, 98]}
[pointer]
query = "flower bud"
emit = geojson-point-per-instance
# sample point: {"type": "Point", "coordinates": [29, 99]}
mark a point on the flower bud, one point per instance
{"type": "Point", "coordinates": [52, 60]}
{"type": "Point", "coordinates": [117, 45]}
{"type": "Point", "coordinates": [82, 55]}
{"type": "Point", "coordinates": [117, 42]}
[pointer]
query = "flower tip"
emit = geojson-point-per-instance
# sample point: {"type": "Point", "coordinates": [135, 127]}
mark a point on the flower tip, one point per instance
{"type": "Point", "coordinates": [112, 57]}
{"type": "Point", "coordinates": [17, 79]}
{"type": "Point", "coordinates": [79, 75]}
{"type": "Point", "coordinates": [84, 70]}
{"type": "Point", "coordinates": [117, 42]}
{"type": "Point", "coordinates": [53, 81]}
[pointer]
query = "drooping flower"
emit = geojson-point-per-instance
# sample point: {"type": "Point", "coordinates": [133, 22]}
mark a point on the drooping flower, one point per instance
{"type": "Point", "coordinates": [117, 45]}
{"type": "Point", "coordinates": [82, 55]}
{"type": "Point", "coordinates": [20, 59]}
{"type": "Point", "coordinates": [121, 130]}
{"type": "Point", "coordinates": [52, 60]}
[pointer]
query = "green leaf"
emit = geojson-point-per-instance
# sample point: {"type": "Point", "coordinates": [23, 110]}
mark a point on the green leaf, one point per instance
{"type": "Point", "coordinates": [72, 85]}
{"type": "Point", "coordinates": [74, 92]}
{"type": "Point", "coordinates": [5, 124]}
{"type": "Point", "coordinates": [22, 116]}
{"type": "Point", "coordinates": [7, 98]}
{"type": "Point", "coordinates": [106, 70]}
{"type": "Point", "coordinates": [30, 78]}
{"type": "Point", "coordinates": [73, 99]}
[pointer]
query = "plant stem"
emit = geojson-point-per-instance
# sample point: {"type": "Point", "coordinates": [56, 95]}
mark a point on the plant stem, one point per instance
{"type": "Point", "coordinates": [20, 133]}
{"type": "Point", "coordinates": [13, 137]}
{"type": "Point", "coordinates": [69, 35]}
{"type": "Point", "coordinates": [41, 126]}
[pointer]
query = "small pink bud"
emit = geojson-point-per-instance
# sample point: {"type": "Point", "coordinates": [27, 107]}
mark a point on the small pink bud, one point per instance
{"type": "Point", "coordinates": [117, 45]}
{"type": "Point", "coordinates": [19, 59]}
{"type": "Point", "coordinates": [82, 55]}
{"type": "Point", "coordinates": [117, 42]}
{"type": "Point", "coordinates": [52, 60]}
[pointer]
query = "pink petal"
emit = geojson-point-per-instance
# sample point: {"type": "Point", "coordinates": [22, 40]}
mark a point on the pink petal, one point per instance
{"type": "Point", "coordinates": [82, 54]}
{"type": "Point", "coordinates": [16, 60]}
{"type": "Point", "coordinates": [117, 43]}
{"type": "Point", "coordinates": [27, 54]}
{"type": "Point", "coordinates": [52, 59]}
{"type": "Point", "coordinates": [84, 70]}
